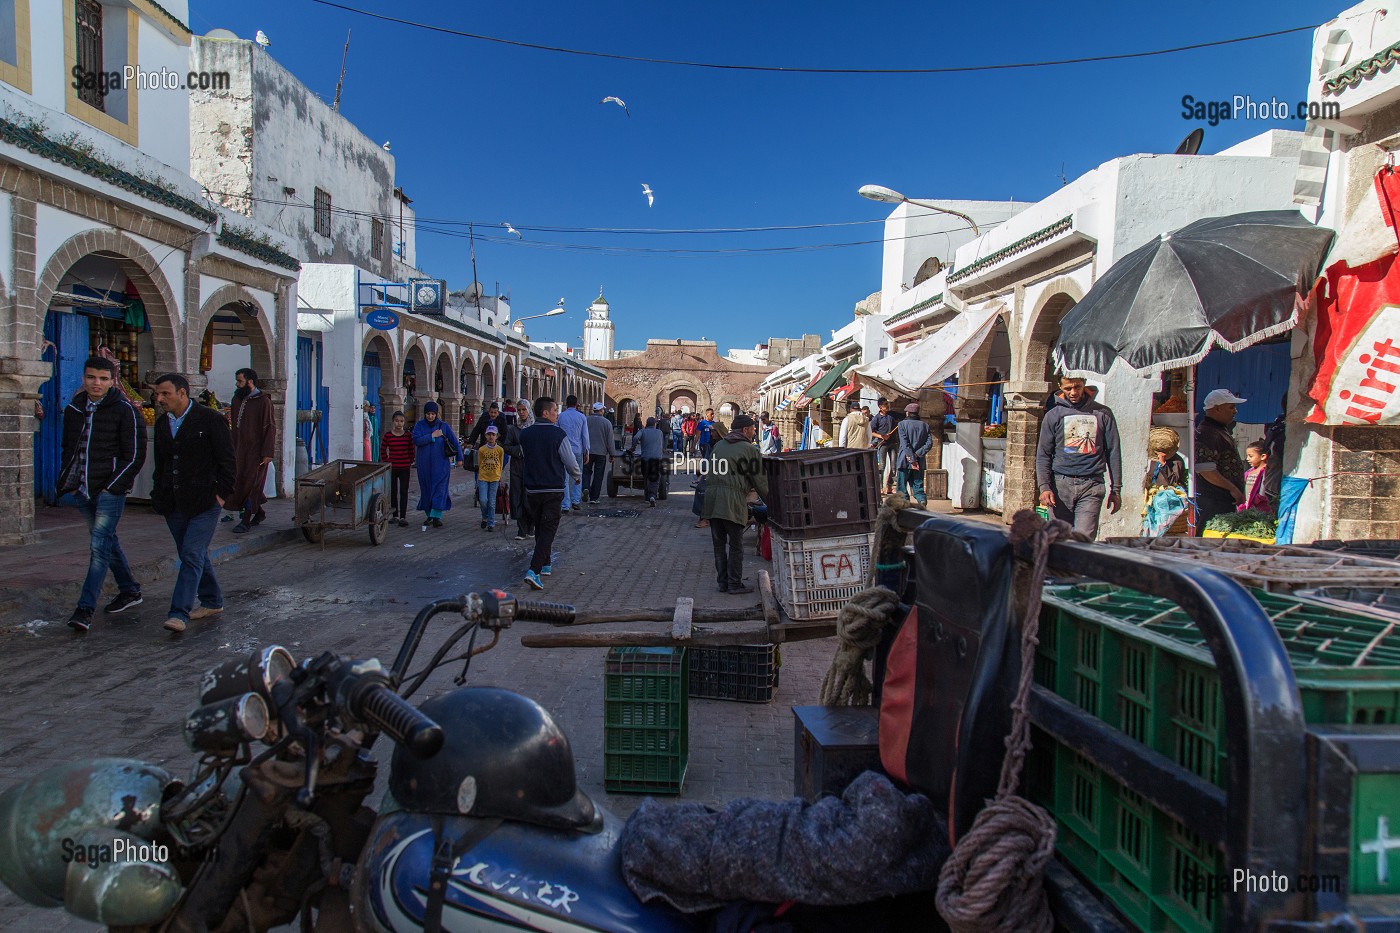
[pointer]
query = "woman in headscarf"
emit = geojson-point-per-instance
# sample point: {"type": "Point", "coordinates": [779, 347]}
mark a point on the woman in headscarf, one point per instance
{"type": "Point", "coordinates": [438, 449]}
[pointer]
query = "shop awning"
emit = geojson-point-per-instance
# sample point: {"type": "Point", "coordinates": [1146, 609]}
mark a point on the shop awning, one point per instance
{"type": "Point", "coordinates": [830, 381]}
{"type": "Point", "coordinates": [799, 397]}
{"type": "Point", "coordinates": [935, 357]}
{"type": "Point", "coordinates": [847, 390]}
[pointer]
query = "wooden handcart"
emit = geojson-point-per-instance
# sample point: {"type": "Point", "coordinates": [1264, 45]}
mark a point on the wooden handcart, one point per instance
{"type": "Point", "coordinates": [344, 494]}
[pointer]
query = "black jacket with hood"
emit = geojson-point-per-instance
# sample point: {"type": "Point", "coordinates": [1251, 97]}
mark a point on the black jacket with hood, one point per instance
{"type": "Point", "coordinates": [1092, 447]}
{"type": "Point", "coordinates": [116, 446]}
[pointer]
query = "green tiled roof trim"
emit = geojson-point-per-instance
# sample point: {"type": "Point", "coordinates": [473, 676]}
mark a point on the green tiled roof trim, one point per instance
{"type": "Point", "coordinates": [915, 309]}
{"type": "Point", "coordinates": [1379, 63]}
{"type": "Point", "coordinates": [172, 17]}
{"type": "Point", "coordinates": [1020, 246]}
{"type": "Point", "coordinates": [39, 144]}
{"type": "Point", "coordinates": [266, 252]}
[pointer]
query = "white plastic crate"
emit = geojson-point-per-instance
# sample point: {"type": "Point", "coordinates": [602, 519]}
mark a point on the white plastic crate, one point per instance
{"type": "Point", "coordinates": [815, 577]}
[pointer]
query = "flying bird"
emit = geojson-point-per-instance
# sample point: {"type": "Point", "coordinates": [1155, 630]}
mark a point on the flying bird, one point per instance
{"type": "Point", "coordinates": [646, 190]}
{"type": "Point", "coordinates": [262, 39]}
{"type": "Point", "coordinates": [510, 229]}
{"type": "Point", "coordinates": [618, 101]}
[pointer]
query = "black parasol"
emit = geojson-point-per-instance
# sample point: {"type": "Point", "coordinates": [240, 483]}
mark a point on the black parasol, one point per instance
{"type": "Point", "coordinates": [1228, 281]}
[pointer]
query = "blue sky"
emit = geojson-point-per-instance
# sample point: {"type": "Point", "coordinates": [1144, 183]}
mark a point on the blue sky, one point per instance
{"type": "Point", "coordinates": [490, 133]}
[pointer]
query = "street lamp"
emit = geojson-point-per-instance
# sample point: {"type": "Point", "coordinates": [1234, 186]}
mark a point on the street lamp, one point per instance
{"type": "Point", "coordinates": [890, 196]}
{"type": "Point", "coordinates": [552, 312]}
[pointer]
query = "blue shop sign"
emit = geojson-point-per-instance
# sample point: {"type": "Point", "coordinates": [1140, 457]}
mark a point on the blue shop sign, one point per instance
{"type": "Point", "coordinates": [382, 319]}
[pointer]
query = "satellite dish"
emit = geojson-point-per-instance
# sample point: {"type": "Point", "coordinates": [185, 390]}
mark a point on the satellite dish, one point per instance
{"type": "Point", "coordinates": [474, 291]}
{"type": "Point", "coordinates": [1192, 143]}
{"type": "Point", "coordinates": [221, 34]}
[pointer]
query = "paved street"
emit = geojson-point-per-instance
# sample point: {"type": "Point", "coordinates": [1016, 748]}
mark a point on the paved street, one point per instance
{"type": "Point", "coordinates": [123, 689]}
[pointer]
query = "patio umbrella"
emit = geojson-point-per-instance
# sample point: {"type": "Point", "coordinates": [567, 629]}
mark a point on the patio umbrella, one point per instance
{"type": "Point", "coordinates": [1221, 281]}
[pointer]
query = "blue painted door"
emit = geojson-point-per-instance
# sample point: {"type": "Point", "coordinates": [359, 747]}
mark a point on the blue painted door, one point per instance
{"type": "Point", "coordinates": [1258, 373]}
{"type": "Point", "coordinates": [306, 371]}
{"type": "Point", "coordinates": [68, 334]}
{"type": "Point", "coordinates": [323, 405]}
{"type": "Point", "coordinates": [372, 379]}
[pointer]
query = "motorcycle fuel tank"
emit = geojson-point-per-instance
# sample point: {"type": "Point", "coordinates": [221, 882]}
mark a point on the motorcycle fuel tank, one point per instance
{"type": "Point", "coordinates": [520, 877]}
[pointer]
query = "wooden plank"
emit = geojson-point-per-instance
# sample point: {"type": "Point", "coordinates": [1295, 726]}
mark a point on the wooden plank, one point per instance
{"type": "Point", "coordinates": [769, 602]}
{"type": "Point", "coordinates": [748, 635]}
{"type": "Point", "coordinates": [681, 622]}
{"type": "Point", "coordinates": [607, 617]}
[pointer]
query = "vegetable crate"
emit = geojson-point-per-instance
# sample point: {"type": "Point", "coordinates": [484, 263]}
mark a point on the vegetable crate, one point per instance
{"type": "Point", "coordinates": [1137, 663]}
{"type": "Point", "coordinates": [820, 493]}
{"type": "Point", "coordinates": [645, 720]}
{"type": "Point", "coordinates": [747, 673]}
{"type": "Point", "coordinates": [815, 577]}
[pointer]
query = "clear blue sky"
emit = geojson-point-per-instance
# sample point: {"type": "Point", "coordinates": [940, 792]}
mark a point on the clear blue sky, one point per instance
{"type": "Point", "coordinates": [491, 133]}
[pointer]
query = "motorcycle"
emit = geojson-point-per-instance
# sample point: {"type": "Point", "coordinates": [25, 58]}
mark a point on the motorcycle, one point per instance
{"type": "Point", "coordinates": [483, 827]}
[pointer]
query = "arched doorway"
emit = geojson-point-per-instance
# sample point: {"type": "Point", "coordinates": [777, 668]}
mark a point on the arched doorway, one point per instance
{"type": "Point", "coordinates": [1036, 376]}
{"type": "Point", "coordinates": [236, 336]}
{"type": "Point", "coordinates": [415, 381]}
{"type": "Point", "coordinates": [508, 387]}
{"type": "Point", "coordinates": [626, 412]}
{"type": "Point", "coordinates": [444, 376]}
{"type": "Point", "coordinates": [684, 400]}
{"type": "Point", "coordinates": [488, 382]}
{"type": "Point", "coordinates": [378, 371]}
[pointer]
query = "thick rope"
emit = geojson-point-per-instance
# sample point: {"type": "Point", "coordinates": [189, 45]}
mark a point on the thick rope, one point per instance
{"type": "Point", "coordinates": [859, 626]}
{"type": "Point", "coordinates": [995, 877]}
{"type": "Point", "coordinates": [889, 537]}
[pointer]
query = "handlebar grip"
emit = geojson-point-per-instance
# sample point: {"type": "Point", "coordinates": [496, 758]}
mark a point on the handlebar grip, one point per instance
{"type": "Point", "coordinates": [531, 611]}
{"type": "Point", "coordinates": [398, 719]}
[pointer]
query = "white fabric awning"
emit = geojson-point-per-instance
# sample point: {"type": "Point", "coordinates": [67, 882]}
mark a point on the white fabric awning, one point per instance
{"type": "Point", "coordinates": [934, 358]}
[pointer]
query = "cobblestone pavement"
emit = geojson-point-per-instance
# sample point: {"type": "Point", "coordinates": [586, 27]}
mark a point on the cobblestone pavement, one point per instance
{"type": "Point", "coordinates": [124, 689]}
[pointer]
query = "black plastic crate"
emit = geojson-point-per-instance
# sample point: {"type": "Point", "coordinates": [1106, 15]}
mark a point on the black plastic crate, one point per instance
{"type": "Point", "coordinates": [747, 673]}
{"type": "Point", "coordinates": [1384, 548]}
{"type": "Point", "coordinates": [819, 493]}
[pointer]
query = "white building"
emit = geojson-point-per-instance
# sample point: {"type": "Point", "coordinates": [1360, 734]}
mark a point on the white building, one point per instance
{"type": "Point", "coordinates": [598, 330]}
{"type": "Point", "coordinates": [106, 243]}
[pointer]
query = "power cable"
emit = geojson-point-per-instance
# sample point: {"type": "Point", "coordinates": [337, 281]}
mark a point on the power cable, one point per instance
{"type": "Point", "coordinates": [953, 69]}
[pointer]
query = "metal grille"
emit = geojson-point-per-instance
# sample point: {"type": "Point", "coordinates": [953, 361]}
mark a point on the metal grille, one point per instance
{"type": "Point", "coordinates": [88, 20]}
{"type": "Point", "coordinates": [323, 212]}
{"type": "Point", "coordinates": [376, 238]}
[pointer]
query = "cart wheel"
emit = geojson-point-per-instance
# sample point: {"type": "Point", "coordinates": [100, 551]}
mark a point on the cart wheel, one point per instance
{"type": "Point", "coordinates": [378, 517]}
{"type": "Point", "coordinates": [313, 533]}
{"type": "Point", "coordinates": [664, 489]}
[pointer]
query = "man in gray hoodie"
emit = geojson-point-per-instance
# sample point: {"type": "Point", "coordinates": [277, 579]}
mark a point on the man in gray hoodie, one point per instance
{"type": "Point", "coordinates": [600, 444]}
{"type": "Point", "coordinates": [1078, 441]}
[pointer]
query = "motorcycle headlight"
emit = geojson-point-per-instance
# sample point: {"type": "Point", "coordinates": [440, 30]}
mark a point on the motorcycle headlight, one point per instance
{"type": "Point", "coordinates": [255, 673]}
{"type": "Point", "coordinates": [220, 728]}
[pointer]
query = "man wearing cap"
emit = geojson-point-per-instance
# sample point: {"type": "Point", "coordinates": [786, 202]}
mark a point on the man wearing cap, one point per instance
{"type": "Point", "coordinates": [915, 440]}
{"type": "Point", "coordinates": [1219, 469]}
{"type": "Point", "coordinates": [600, 441]}
{"type": "Point", "coordinates": [493, 416]}
{"type": "Point", "coordinates": [1078, 441]}
{"type": "Point", "coordinates": [736, 468]}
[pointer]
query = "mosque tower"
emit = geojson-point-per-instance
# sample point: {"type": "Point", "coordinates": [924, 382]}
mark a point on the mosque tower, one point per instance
{"type": "Point", "coordinates": [598, 331]}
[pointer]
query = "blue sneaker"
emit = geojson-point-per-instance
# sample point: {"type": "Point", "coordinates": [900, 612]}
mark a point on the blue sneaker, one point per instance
{"type": "Point", "coordinates": [533, 579]}
{"type": "Point", "coordinates": [545, 571]}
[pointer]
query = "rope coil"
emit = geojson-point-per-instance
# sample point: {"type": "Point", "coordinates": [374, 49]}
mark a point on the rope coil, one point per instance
{"type": "Point", "coordinates": [995, 877]}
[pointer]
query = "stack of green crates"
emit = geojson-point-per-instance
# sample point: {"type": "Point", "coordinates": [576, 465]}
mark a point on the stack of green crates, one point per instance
{"type": "Point", "coordinates": [645, 720]}
{"type": "Point", "coordinates": [1140, 665]}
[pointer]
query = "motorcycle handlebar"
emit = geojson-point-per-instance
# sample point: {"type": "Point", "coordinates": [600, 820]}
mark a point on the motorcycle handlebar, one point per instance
{"type": "Point", "coordinates": [532, 611]}
{"type": "Point", "coordinates": [373, 702]}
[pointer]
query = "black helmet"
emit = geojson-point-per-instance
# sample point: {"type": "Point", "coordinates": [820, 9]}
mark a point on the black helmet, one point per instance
{"type": "Point", "coordinates": [503, 757]}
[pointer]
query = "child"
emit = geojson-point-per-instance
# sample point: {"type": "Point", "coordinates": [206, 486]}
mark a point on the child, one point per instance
{"type": "Point", "coordinates": [396, 448]}
{"type": "Point", "coordinates": [490, 459]}
{"type": "Point", "coordinates": [1257, 491]}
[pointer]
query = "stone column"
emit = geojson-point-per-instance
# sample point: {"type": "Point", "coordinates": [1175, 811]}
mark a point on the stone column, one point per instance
{"type": "Point", "coordinates": [451, 410]}
{"type": "Point", "coordinates": [19, 390]}
{"type": "Point", "coordinates": [1025, 407]}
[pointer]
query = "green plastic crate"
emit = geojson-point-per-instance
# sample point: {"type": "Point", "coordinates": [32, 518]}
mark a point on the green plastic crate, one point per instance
{"type": "Point", "coordinates": [645, 720]}
{"type": "Point", "coordinates": [1139, 664]}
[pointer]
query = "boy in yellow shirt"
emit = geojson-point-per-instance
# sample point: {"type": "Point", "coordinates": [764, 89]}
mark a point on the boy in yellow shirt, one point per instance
{"type": "Point", "coordinates": [490, 459]}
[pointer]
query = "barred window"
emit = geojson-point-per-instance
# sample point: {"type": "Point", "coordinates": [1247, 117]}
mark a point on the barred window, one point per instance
{"type": "Point", "coordinates": [323, 212]}
{"type": "Point", "coordinates": [376, 238]}
{"type": "Point", "coordinates": [88, 20]}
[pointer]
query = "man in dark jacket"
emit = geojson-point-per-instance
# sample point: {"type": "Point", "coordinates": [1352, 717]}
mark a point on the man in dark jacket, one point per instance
{"type": "Point", "coordinates": [493, 416]}
{"type": "Point", "coordinates": [549, 466]}
{"type": "Point", "coordinates": [914, 440]}
{"type": "Point", "coordinates": [104, 446]}
{"type": "Point", "coordinates": [885, 442]}
{"type": "Point", "coordinates": [1078, 441]}
{"type": "Point", "coordinates": [254, 443]}
{"type": "Point", "coordinates": [193, 479]}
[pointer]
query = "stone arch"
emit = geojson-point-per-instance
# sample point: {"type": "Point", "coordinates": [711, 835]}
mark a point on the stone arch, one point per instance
{"type": "Point", "coordinates": [627, 409]}
{"type": "Point", "coordinates": [1043, 328]}
{"type": "Point", "coordinates": [974, 404]}
{"type": "Point", "coordinates": [417, 354]}
{"type": "Point", "coordinates": [255, 324]}
{"type": "Point", "coordinates": [509, 384]}
{"type": "Point", "coordinates": [162, 310]}
{"type": "Point", "coordinates": [467, 382]}
{"type": "Point", "coordinates": [444, 362]}
{"type": "Point", "coordinates": [669, 387]}
{"type": "Point", "coordinates": [488, 379]}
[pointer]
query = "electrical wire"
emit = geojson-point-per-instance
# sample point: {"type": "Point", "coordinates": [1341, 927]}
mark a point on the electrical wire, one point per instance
{"type": "Point", "coordinates": [952, 69]}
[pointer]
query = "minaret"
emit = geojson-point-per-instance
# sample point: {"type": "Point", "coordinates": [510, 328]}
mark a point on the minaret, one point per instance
{"type": "Point", "coordinates": [598, 331]}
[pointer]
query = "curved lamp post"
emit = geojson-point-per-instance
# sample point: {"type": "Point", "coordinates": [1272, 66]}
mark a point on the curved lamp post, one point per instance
{"type": "Point", "coordinates": [890, 196]}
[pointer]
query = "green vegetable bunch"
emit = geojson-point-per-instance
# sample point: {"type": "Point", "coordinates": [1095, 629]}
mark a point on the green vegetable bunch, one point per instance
{"type": "Point", "coordinates": [1252, 523]}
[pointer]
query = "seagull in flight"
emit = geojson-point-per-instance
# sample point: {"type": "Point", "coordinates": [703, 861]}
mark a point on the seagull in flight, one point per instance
{"type": "Point", "coordinates": [618, 101]}
{"type": "Point", "coordinates": [262, 39]}
{"type": "Point", "coordinates": [510, 229]}
{"type": "Point", "coordinates": [646, 190]}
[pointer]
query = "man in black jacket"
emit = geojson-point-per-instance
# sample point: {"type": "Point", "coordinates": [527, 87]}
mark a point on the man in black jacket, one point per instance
{"type": "Point", "coordinates": [193, 477]}
{"type": "Point", "coordinates": [1078, 443]}
{"type": "Point", "coordinates": [104, 446]}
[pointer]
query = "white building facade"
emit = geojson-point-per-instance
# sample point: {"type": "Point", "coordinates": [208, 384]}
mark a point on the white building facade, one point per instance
{"type": "Point", "coordinates": [598, 330]}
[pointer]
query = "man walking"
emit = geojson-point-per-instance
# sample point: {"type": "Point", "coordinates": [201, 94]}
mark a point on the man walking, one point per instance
{"type": "Point", "coordinates": [649, 444]}
{"type": "Point", "coordinates": [515, 456]}
{"type": "Point", "coordinates": [737, 469]}
{"type": "Point", "coordinates": [104, 446]}
{"type": "Point", "coordinates": [1078, 441]}
{"type": "Point", "coordinates": [575, 426]}
{"type": "Point", "coordinates": [704, 430]}
{"type": "Point", "coordinates": [677, 435]}
{"type": "Point", "coordinates": [1219, 469]}
{"type": "Point", "coordinates": [855, 428]}
{"type": "Point", "coordinates": [600, 442]}
{"type": "Point", "coordinates": [549, 467]}
{"type": "Point", "coordinates": [254, 442]}
{"type": "Point", "coordinates": [882, 432]}
{"type": "Point", "coordinates": [193, 479]}
{"type": "Point", "coordinates": [915, 440]}
{"type": "Point", "coordinates": [493, 416]}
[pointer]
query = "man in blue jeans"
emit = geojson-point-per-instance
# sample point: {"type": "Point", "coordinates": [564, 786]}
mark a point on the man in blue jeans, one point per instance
{"type": "Point", "coordinates": [193, 476]}
{"type": "Point", "coordinates": [104, 446]}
